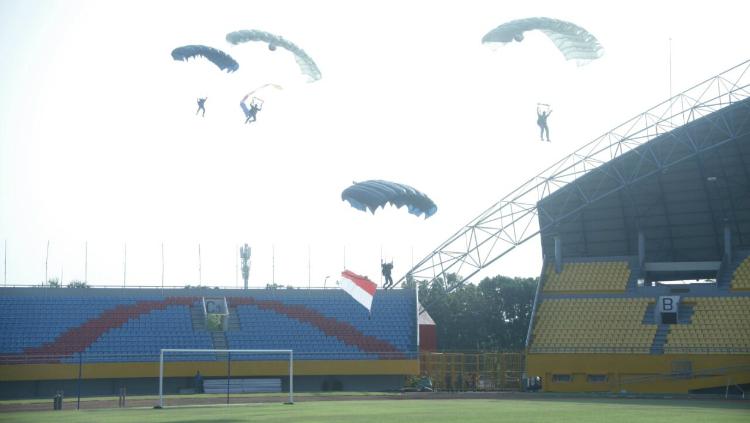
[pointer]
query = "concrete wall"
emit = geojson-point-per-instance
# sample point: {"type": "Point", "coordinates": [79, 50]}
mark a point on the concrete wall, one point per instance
{"type": "Point", "coordinates": [43, 380]}
{"type": "Point", "coordinates": [173, 386]}
{"type": "Point", "coordinates": [638, 373]}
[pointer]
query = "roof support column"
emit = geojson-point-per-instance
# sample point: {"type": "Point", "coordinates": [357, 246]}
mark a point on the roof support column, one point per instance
{"type": "Point", "coordinates": [558, 254]}
{"type": "Point", "coordinates": [641, 251]}
{"type": "Point", "coordinates": [727, 243]}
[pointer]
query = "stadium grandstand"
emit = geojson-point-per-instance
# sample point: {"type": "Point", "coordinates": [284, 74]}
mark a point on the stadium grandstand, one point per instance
{"type": "Point", "coordinates": [645, 235]}
{"type": "Point", "coordinates": [651, 278]}
{"type": "Point", "coordinates": [111, 338]}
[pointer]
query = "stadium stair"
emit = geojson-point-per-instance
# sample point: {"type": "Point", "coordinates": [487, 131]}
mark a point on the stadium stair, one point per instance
{"type": "Point", "coordinates": [219, 340]}
{"type": "Point", "coordinates": [684, 315]}
{"type": "Point", "coordinates": [724, 280]}
{"type": "Point", "coordinates": [234, 322]}
{"type": "Point", "coordinates": [738, 273]}
{"type": "Point", "coordinates": [660, 338]}
{"type": "Point", "coordinates": [198, 317]}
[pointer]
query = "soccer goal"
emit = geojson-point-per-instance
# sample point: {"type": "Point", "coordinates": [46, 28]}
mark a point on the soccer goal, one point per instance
{"type": "Point", "coordinates": [214, 355]}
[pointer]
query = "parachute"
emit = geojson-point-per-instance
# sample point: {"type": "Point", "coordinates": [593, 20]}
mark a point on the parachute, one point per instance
{"type": "Point", "coordinates": [370, 195]}
{"type": "Point", "coordinates": [261, 94]}
{"type": "Point", "coordinates": [257, 97]}
{"type": "Point", "coordinates": [264, 90]}
{"type": "Point", "coordinates": [574, 42]}
{"type": "Point", "coordinates": [305, 62]}
{"type": "Point", "coordinates": [216, 56]}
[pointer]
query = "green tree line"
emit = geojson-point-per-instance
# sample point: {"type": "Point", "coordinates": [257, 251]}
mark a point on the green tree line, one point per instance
{"type": "Point", "coordinates": [492, 315]}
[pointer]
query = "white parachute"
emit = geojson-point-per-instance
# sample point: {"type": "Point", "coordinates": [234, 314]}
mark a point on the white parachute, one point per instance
{"type": "Point", "coordinates": [574, 42]}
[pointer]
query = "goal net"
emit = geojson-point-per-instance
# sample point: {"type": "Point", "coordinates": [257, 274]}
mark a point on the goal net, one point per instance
{"type": "Point", "coordinates": [210, 376]}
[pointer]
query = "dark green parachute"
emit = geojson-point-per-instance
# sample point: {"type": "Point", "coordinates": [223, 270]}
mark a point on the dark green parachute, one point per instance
{"type": "Point", "coordinates": [574, 42]}
{"type": "Point", "coordinates": [305, 62]}
{"type": "Point", "coordinates": [370, 195]}
{"type": "Point", "coordinates": [222, 60]}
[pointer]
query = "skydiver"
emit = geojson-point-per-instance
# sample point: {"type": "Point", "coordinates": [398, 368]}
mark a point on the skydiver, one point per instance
{"type": "Point", "coordinates": [250, 114]}
{"type": "Point", "coordinates": [386, 270]}
{"type": "Point", "coordinates": [541, 120]}
{"type": "Point", "coordinates": [201, 106]}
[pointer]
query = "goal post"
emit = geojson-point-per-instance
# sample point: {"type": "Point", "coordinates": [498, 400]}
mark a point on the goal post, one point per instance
{"type": "Point", "coordinates": [164, 351]}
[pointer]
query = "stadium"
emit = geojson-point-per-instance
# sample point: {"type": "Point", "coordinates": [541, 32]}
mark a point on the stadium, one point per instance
{"type": "Point", "coordinates": [645, 288]}
{"type": "Point", "coordinates": [636, 307]}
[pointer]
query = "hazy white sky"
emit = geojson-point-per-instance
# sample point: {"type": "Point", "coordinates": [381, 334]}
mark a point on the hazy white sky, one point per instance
{"type": "Point", "coordinates": [99, 142]}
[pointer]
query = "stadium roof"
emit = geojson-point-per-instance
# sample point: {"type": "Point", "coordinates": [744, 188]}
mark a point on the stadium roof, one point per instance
{"type": "Point", "coordinates": [632, 189]}
{"type": "Point", "coordinates": [680, 189]}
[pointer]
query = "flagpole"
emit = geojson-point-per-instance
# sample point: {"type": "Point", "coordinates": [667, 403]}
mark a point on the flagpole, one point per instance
{"type": "Point", "coordinates": [273, 264]}
{"type": "Point", "coordinates": [381, 263]}
{"type": "Point", "coordinates": [308, 266]}
{"type": "Point", "coordinates": [86, 263]}
{"type": "Point", "coordinates": [46, 265]}
{"type": "Point", "coordinates": [416, 297]}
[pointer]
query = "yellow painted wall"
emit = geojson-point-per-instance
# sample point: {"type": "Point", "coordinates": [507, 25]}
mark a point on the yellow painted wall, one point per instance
{"type": "Point", "coordinates": [17, 372]}
{"type": "Point", "coordinates": [621, 369]}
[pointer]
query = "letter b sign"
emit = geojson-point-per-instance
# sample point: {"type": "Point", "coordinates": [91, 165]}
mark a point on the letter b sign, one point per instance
{"type": "Point", "coordinates": [667, 304]}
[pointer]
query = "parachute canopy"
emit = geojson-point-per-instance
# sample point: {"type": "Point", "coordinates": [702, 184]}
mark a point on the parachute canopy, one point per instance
{"type": "Point", "coordinates": [574, 42]}
{"type": "Point", "coordinates": [265, 90]}
{"type": "Point", "coordinates": [305, 62]}
{"type": "Point", "coordinates": [216, 56]}
{"type": "Point", "coordinates": [370, 195]}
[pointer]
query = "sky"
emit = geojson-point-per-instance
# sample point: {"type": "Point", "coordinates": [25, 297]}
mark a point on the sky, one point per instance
{"type": "Point", "coordinates": [103, 157]}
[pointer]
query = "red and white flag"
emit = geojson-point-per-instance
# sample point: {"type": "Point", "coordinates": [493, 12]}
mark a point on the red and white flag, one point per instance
{"type": "Point", "coordinates": [359, 287]}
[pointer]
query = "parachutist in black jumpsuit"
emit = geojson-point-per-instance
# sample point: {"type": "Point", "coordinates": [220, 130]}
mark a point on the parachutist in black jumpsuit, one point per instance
{"type": "Point", "coordinates": [541, 120]}
{"type": "Point", "coordinates": [251, 112]}
{"type": "Point", "coordinates": [201, 106]}
{"type": "Point", "coordinates": [386, 269]}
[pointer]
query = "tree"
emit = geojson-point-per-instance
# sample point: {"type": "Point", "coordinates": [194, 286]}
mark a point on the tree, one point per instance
{"type": "Point", "coordinates": [493, 315]}
{"type": "Point", "coordinates": [78, 284]}
{"type": "Point", "coordinates": [53, 283]}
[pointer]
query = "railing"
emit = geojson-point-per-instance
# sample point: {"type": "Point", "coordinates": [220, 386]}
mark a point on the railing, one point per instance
{"type": "Point", "coordinates": [90, 358]}
{"type": "Point", "coordinates": [473, 371]}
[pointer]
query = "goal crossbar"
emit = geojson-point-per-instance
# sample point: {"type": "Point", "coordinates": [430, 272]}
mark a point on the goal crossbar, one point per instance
{"type": "Point", "coordinates": [212, 351]}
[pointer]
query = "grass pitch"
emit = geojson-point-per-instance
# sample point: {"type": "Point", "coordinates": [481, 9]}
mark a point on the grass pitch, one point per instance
{"type": "Point", "coordinates": [417, 411]}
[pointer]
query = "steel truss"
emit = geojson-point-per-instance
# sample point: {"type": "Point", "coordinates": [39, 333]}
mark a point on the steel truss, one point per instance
{"type": "Point", "coordinates": [514, 219]}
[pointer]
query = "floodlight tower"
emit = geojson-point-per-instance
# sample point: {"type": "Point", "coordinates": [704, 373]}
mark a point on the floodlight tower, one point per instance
{"type": "Point", "coordinates": [245, 256]}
